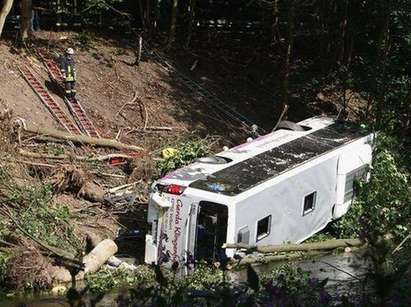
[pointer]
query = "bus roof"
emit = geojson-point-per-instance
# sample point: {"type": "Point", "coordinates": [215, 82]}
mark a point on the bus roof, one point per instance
{"type": "Point", "coordinates": [248, 173]}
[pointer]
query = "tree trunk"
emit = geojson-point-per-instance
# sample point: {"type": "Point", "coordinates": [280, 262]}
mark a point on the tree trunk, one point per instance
{"type": "Point", "coordinates": [5, 10]}
{"type": "Point", "coordinates": [354, 8]}
{"type": "Point", "coordinates": [141, 9]}
{"type": "Point", "coordinates": [26, 15]}
{"type": "Point", "coordinates": [139, 50]}
{"type": "Point", "coordinates": [323, 245]}
{"type": "Point", "coordinates": [99, 255]}
{"type": "Point", "coordinates": [192, 7]}
{"type": "Point", "coordinates": [383, 37]}
{"type": "Point", "coordinates": [82, 139]}
{"type": "Point", "coordinates": [148, 13]}
{"type": "Point", "coordinates": [289, 50]}
{"type": "Point", "coordinates": [156, 14]}
{"type": "Point", "coordinates": [343, 29]}
{"type": "Point", "coordinates": [172, 31]}
{"type": "Point", "coordinates": [275, 33]}
{"type": "Point", "coordinates": [322, 21]}
{"type": "Point", "coordinates": [349, 48]}
{"type": "Point", "coordinates": [332, 11]}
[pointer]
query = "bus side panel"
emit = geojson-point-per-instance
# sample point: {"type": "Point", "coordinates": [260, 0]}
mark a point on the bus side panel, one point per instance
{"type": "Point", "coordinates": [284, 202]}
{"type": "Point", "coordinates": [173, 230]}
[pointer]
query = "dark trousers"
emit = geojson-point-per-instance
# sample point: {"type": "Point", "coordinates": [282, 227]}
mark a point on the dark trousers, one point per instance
{"type": "Point", "coordinates": [69, 88]}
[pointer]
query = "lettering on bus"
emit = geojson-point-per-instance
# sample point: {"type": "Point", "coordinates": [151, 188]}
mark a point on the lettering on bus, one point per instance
{"type": "Point", "coordinates": [170, 215]}
{"type": "Point", "coordinates": [177, 230]}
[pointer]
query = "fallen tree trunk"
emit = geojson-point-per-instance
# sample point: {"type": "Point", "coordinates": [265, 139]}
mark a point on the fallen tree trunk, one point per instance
{"type": "Point", "coordinates": [324, 245]}
{"type": "Point", "coordinates": [37, 155]}
{"type": "Point", "coordinates": [82, 139]}
{"type": "Point", "coordinates": [275, 258]}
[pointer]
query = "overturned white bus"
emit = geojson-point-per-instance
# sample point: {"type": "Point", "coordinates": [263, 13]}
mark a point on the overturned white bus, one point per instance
{"type": "Point", "coordinates": [281, 187]}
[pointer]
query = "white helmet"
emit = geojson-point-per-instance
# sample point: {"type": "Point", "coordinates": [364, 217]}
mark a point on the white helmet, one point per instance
{"type": "Point", "coordinates": [70, 51]}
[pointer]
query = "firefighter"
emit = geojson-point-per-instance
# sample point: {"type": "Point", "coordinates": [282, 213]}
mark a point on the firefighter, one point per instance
{"type": "Point", "coordinates": [69, 73]}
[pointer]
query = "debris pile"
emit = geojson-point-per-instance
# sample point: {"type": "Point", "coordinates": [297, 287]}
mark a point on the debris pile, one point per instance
{"type": "Point", "coordinates": [65, 201]}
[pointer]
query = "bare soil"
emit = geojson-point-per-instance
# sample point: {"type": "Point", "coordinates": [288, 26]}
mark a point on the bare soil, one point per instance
{"type": "Point", "coordinates": [106, 82]}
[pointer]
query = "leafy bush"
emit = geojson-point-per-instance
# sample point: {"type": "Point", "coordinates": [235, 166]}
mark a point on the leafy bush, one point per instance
{"type": "Point", "coordinates": [32, 207]}
{"type": "Point", "coordinates": [205, 277]}
{"type": "Point", "coordinates": [289, 285]}
{"type": "Point", "coordinates": [381, 215]}
{"type": "Point", "coordinates": [186, 152]}
{"type": "Point", "coordinates": [382, 206]}
{"type": "Point", "coordinates": [106, 279]}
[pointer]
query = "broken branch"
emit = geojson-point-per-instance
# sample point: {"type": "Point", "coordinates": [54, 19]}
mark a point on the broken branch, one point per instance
{"type": "Point", "coordinates": [30, 154]}
{"type": "Point", "coordinates": [127, 104]}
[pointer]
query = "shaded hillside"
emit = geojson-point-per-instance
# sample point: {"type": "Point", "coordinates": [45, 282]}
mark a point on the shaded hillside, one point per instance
{"type": "Point", "coordinates": [147, 95]}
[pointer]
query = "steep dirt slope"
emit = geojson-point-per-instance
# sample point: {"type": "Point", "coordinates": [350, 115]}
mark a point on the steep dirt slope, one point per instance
{"type": "Point", "coordinates": [17, 95]}
{"type": "Point", "coordinates": [106, 82]}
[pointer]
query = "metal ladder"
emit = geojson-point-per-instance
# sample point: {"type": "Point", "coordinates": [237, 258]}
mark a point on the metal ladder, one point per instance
{"type": "Point", "coordinates": [74, 105]}
{"type": "Point", "coordinates": [48, 100]}
{"type": "Point", "coordinates": [231, 114]}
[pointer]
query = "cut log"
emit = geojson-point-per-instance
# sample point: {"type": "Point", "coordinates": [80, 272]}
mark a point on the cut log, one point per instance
{"type": "Point", "coordinates": [82, 139]}
{"type": "Point", "coordinates": [99, 255]}
{"type": "Point", "coordinates": [324, 245]}
{"type": "Point", "coordinates": [93, 261]}
{"type": "Point", "coordinates": [92, 240]}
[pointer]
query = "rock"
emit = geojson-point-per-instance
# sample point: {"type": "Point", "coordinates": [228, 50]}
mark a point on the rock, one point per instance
{"type": "Point", "coordinates": [347, 250]}
{"type": "Point", "coordinates": [92, 192]}
{"type": "Point", "coordinates": [58, 290]}
{"type": "Point", "coordinates": [114, 261]}
{"type": "Point", "coordinates": [60, 274]}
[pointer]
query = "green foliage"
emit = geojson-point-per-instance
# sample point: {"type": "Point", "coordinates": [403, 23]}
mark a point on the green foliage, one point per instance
{"type": "Point", "coordinates": [205, 277]}
{"type": "Point", "coordinates": [56, 150]}
{"type": "Point", "coordinates": [382, 206]}
{"type": "Point", "coordinates": [106, 279]}
{"type": "Point", "coordinates": [100, 5]}
{"type": "Point", "coordinates": [284, 286]}
{"type": "Point", "coordinates": [32, 207]}
{"type": "Point", "coordinates": [49, 224]}
{"type": "Point", "coordinates": [85, 39]}
{"type": "Point", "coordinates": [289, 285]}
{"type": "Point", "coordinates": [3, 265]}
{"type": "Point", "coordinates": [319, 237]}
{"type": "Point", "coordinates": [291, 278]}
{"type": "Point", "coordinates": [95, 165]}
{"type": "Point", "coordinates": [187, 151]}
